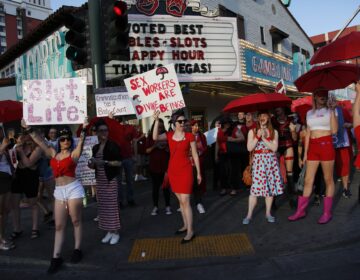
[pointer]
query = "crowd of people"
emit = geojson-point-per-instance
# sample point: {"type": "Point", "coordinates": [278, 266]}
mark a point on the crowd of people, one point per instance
{"type": "Point", "coordinates": [277, 146]}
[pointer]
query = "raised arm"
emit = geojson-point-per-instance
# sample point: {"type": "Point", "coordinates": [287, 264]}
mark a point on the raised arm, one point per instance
{"type": "Point", "coordinates": [29, 161]}
{"type": "Point", "coordinates": [40, 141]}
{"type": "Point", "coordinates": [156, 136]}
{"type": "Point", "coordinates": [76, 153]}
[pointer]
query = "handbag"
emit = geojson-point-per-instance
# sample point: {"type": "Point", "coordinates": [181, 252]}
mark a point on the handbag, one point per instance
{"type": "Point", "coordinates": [299, 186]}
{"type": "Point", "coordinates": [247, 176]}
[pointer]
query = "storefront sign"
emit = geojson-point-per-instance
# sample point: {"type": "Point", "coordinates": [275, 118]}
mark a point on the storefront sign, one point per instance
{"type": "Point", "coordinates": [266, 68]}
{"type": "Point", "coordinates": [58, 101]}
{"type": "Point", "coordinates": [157, 89]}
{"type": "Point", "coordinates": [47, 60]}
{"type": "Point", "coordinates": [83, 173]}
{"type": "Point", "coordinates": [116, 102]}
{"type": "Point", "coordinates": [201, 49]}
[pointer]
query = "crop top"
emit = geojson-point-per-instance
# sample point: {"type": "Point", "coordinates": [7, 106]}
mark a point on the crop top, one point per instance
{"type": "Point", "coordinates": [64, 167]}
{"type": "Point", "coordinates": [319, 119]}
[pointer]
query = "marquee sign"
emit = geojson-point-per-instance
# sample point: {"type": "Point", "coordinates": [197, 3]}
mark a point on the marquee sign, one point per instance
{"type": "Point", "coordinates": [201, 49]}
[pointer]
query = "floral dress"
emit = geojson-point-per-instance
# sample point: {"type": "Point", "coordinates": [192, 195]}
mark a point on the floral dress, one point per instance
{"type": "Point", "coordinates": [266, 178]}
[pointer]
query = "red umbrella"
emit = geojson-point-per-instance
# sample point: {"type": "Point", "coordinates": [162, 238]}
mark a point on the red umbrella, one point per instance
{"type": "Point", "coordinates": [334, 75]}
{"type": "Point", "coordinates": [10, 111]}
{"type": "Point", "coordinates": [257, 102]}
{"type": "Point", "coordinates": [301, 110]}
{"type": "Point", "coordinates": [344, 48]}
{"type": "Point", "coordinates": [115, 129]}
{"type": "Point", "coordinates": [307, 100]}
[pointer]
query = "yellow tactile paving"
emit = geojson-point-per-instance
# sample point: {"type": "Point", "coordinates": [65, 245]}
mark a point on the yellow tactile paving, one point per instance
{"type": "Point", "coordinates": [202, 246]}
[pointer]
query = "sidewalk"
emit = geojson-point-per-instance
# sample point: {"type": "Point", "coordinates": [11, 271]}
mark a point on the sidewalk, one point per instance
{"type": "Point", "coordinates": [283, 248]}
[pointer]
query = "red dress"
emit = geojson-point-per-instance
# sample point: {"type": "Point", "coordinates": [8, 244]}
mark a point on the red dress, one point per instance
{"type": "Point", "coordinates": [180, 170]}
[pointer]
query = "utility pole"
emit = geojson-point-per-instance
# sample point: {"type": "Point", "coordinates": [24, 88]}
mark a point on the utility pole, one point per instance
{"type": "Point", "coordinates": [96, 40]}
{"type": "Point", "coordinates": [346, 25]}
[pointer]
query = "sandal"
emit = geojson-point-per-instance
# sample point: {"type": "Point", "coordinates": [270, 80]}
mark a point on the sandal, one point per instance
{"type": "Point", "coordinates": [15, 235]}
{"type": "Point", "coordinates": [35, 233]}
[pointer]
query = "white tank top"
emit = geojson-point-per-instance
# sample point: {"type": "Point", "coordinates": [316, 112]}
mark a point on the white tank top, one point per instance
{"type": "Point", "coordinates": [319, 119]}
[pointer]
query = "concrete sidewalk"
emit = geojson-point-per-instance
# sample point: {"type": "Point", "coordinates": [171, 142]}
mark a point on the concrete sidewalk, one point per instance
{"type": "Point", "coordinates": [284, 249]}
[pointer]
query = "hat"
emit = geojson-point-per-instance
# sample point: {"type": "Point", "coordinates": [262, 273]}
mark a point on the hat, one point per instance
{"type": "Point", "coordinates": [65, 131]}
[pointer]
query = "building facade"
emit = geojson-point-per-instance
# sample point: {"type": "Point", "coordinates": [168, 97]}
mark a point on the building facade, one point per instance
{"type": "Point", "coordinates": [17, 19]}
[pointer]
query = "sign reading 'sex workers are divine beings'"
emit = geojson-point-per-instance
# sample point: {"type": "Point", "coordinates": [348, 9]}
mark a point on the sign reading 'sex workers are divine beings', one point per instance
{"type": "Point", "coordinates": [54, 101]}
{"type": "Point", "coordinates": [156, 90]}
{"type": "Point", "coordinates": [201, 49]}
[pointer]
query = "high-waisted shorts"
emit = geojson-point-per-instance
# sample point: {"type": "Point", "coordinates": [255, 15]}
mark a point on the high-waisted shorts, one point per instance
{"type": "Point", "coordinates": [73, 190]}
{"type": "Point", "coordinates": [321, 149]}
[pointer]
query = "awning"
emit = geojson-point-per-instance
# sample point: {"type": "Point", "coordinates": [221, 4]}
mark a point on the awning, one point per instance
{"type": "Point", "coordinates": [276, 32]}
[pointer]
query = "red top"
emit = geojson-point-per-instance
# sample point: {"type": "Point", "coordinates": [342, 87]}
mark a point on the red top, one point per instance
{"type": "Point", "coordinates": [221, 139]}
{"type": "Point", "coordinates": [64, 167]}
{"type": "Point", "coordinates": [127, 134]}
{"type": "Point", "coordinates": [159, 156]}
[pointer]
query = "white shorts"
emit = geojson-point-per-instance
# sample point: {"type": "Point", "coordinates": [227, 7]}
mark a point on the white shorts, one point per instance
{"type": "Point", "coordinates": [73, 190]}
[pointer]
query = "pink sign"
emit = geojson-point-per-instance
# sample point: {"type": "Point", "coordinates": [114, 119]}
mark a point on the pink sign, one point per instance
{"type": "Point", "coordinates": [56, 101]}
{"type": "Point", "coordinates": [154, 90]}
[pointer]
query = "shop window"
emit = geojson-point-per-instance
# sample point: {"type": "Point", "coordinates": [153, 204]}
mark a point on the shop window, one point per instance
{"type": "Point", "coordinates": [262, 35]}
{"type": "Point", "coordinates": [305, 53]}
{"type": "Point", "coordinates": [295, 48]}
{"type": "Point", "coordinates": [224, 12]}
{"type": "Point", "coordinates": [18, 23]}
{"type": "Point", "coordinates": [29, 13]}
{"type": "Point", "coordinates": [3, 39]}
{"type": "Point", "coordinates": [2, 29]}
{"type": "Point", "coordinates": [277, 36]}
{"type": "Point", "coordinates": [2, 19]}
{"type": "Point", "coordinates": [19, 33]}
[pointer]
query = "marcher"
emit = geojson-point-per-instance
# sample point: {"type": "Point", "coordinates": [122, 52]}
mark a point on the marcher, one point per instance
{"type": "Point", "coordinates": [69, 192]}
{"type": "Point", "coordinates": [158, 164]}
{"type": "Point", "coordinates": [201, 146]}
{"type": "Point", "coordinates": [140, 155]}
{"type": "Point", "coordinates": [356, 125]}
{"type": "Point", "coordinates": [319, 150]}
{"type": "Point", "coordinates": [26, 182]}
{"type": "Point", "coordinates": [106, 162]}
{"type": "Point", "coordinates": [180, 169]}
{"type": "Point", "coordinates": [266, 178]}
{"type": "Point", "coordinates": [6, 173]}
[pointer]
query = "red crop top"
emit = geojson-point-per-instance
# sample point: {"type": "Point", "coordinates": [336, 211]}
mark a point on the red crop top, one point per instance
{"type": "Point", "coordinates": [64, 167]}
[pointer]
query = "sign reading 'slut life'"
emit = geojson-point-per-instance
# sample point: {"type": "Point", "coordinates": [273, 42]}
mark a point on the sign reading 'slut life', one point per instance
{"type": "Point", "coordinates": [201, 49]}
{"type": "Point", "coordinates": [54, 101]}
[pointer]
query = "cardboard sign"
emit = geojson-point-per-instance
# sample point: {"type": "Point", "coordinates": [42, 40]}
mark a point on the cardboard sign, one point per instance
{"type": "Point", "coordinates": [211, 136]}
{"type": "Point", "coordinates": [113, 100]}
{"type": "Point", "coordinates": [83, 173]}
{"type": "Point", "coordinates": [155, 90]}
{"type": "Point", "coordinates": [57, 101]}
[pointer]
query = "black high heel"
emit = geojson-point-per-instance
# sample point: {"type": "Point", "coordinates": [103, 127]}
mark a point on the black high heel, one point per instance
{"type": "Point", "coordinates": [180, 231]}
{"type": "Point", "coordinates": [184, 241]}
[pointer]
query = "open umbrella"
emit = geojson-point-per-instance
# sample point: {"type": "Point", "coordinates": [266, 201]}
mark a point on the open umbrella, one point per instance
{"type": "Point", "coordinates": [10, 111]}
{"type": "Point", "coordinates": [257, 102]}
{"type": "Point", "coordinates": [307, 100]}
{"type": "Point", "coordinates": [343, 48]}
{"type": "Point", "coordinates": [334, 75]}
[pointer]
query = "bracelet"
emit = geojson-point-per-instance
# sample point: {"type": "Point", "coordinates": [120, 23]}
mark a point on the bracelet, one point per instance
{"type": "Point", "coordinates": [268, 139]}
{"type": "Point", "coordinates": [257, 137]}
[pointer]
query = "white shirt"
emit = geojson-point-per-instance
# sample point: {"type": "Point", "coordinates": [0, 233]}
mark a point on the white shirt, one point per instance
{"type": "Point", "coordinates": [319, 119]}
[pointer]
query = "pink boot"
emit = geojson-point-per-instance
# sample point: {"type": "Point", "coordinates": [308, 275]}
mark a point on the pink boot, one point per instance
{"type": "Point", "coordinates": [301, 207]}
{"type": "Point", "coordinates": [326, 216]}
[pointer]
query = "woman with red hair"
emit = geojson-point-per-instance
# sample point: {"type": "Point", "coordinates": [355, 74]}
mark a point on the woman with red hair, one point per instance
{"type": "Point", "coordinates": [319, 150]}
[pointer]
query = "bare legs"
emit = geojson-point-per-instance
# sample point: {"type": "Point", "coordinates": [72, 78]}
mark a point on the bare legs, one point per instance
{"type": "Point", "coordinates": [252, 204]}
{"type": "Point", "coordinates": [16, 212]}
{"type": "Point", "coordinates": [186, 212]}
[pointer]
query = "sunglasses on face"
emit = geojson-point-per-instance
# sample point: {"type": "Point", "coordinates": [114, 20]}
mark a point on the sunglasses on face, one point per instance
{"type": "Point", "coordinates": [181, 121]}
{"type": "Point", "coordinates": [63, 139]}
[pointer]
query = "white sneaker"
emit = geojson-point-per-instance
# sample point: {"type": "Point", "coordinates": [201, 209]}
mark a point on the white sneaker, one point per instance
{"type": "Point", "coordinates": [96, 219]}
{"type": "Point", "coordinates": [137, 178]}
{"type": "Point", "coordinates": [200, 208]}
{"type": "Point", "coordinates": [168, 210]}
{"type": "Point", "coordinates": [155, 211]}
{"type": "Point", "coordinates": [142, 178]}
{"type": "Point", "coordinates": [107, 238]}
{"type": "Point", "coordinates": [114, 239]}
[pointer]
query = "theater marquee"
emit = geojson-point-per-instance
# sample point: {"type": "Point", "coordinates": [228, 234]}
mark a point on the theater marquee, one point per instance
{"type": "Point", "coordinates": [202, 49]}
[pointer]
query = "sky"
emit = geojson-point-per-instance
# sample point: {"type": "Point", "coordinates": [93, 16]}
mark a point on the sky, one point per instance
{"type": "Point", "coordinates": [315, 16]}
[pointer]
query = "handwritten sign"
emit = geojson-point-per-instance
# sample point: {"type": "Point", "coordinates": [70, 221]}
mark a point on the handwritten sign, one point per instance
{"type": "Point", "coordinates": [115, 100]}
{"type": "Point", "coordinates": [157, 89]}
{"type": "Point", "coordinates": [211, 136]}
{"type": "Point", "coordinates": [54, 101]}
{"type": "Point", "coordinates": [83, 173]}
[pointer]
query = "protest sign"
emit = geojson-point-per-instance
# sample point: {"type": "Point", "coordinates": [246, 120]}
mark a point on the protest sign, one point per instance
{"type": "Point", "coordinates": [211, 136]}
{"type": "Point", "coordinates": [113, 100]}
{"type": "Point", "coordinates": [154, 90]}
{"type": "Point", "coordinates": [83, 173]}
{"type": "Point", "coordinates": [56, 101]}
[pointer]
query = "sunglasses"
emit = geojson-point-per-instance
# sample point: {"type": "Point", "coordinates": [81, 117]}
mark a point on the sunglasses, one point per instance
{"type": "Point", "coordinates": [181, 121]}
{"type": "Point", "coordinates": [63, 139]}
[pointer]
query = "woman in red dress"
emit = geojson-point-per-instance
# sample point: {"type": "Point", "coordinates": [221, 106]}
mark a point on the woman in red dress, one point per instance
{"type": "Point", "coordinates": [180, 169]}
{"type": "Point", "coordinates": [356, 125]}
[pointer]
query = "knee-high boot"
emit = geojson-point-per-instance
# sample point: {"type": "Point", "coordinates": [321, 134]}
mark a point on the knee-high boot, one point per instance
{"type": "Point", "coordinates": [303, 202]}
{"type": "Point", "coordinates": [326, 216]}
